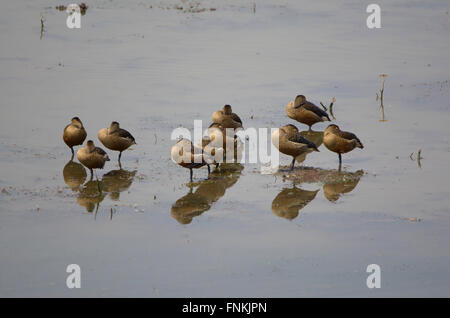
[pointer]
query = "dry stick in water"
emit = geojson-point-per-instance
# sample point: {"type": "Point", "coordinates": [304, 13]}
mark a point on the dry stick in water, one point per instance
{"type": "Point", "coordinates": [42, 25]}
{"type": "Point", "coordinates": [419, 157]}
{"type": "Point", "coordinates": [383, 76]}
{"type": "Point", "coordinates": [331, 108]}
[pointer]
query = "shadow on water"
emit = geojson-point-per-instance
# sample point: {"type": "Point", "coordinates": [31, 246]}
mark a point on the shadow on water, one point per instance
{"type": "Point", "coordinates": [208, 191]}
{"type": "Point", "coordinates": [315, 136]}
{"type": "Point", "coordinates": [335, 183]}
{"type": "Point", "coordinates": [116, 181]}
{"type": "Point", "coordinates": [74, 175]}
{"type": "Point", "coordinates": [290, 201]}
{"type": "Point", "coordinates": [344, 182]}
{"type": "Point", "coordinates": [92, 193]}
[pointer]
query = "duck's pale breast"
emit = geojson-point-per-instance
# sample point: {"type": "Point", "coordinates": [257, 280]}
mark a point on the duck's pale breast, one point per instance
{"type": "Point", "coordinates": [338, 144]}
{"type": "Point", "coordinates": [74, 136]}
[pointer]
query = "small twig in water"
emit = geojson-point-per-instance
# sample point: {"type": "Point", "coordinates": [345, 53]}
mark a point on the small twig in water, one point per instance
{"type": "Point", "coordinates": [42, 25]}
{"type": "Point", "coordinates": [331, 108]}
{"type": "Point", "coordinates": [419, 157]}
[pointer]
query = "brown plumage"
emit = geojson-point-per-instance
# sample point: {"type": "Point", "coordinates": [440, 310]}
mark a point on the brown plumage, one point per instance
{"type": "Point", "coordinates": [227, 118]}
{"type": "Point", "coordinates": [289, 141]}
{"type": "Point", "coordinates": [116, 138]}
{"type": "Point", "coordinates": [340, 141]}
{"type": "Point", "coordinates": [305, 112]}
{"type": "Point", "coordinates": [74, 134]}
{"type": "Point", "coordinates": [92, 157]}
{"type": "Point", "coordinates": [185, 154]}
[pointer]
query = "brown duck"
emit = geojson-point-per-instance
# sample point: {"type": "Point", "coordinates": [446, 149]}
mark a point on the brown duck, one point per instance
{"type": "Point", "coordinates": [292, 143]}
{"type": "Point", "coordinates": [340, 141]}
{"type": "Point", "coordinates": [227, 118]}
{"type": "Point", "coordinates": [74, 134]}
{"type": "Point", "coordinates": [116, 138]}
{"type": "Point", "coordinates": [305, 112]}
{"type": "Point", "coordinates": [92, 157]}
{"type": "Point", "coordinates": [185, 154]}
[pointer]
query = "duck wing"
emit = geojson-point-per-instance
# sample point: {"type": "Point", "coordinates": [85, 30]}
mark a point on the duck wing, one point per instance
{"type": "Point", "coordinates": [298, 138]}
{"type": "Point", "coordinates": [349, 136]}
{"type": "Point", "coordinates": [125, 134]}
{"type": "Point", "coordinates": [316, 110]}
{"type": "Point", "coordinates": [100, 151]}
{"type": "Point", "coordinates": [236, 118]}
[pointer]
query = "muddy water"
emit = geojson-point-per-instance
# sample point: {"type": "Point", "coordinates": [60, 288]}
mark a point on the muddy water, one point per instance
{"type": "Point", "coordinates": [152, 67]}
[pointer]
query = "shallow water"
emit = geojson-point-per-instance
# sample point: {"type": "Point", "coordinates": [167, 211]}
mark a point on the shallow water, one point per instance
{"type": "Point", "coordinates": [240, 233]}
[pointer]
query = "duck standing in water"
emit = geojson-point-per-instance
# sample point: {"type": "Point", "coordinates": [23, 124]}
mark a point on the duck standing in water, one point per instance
{"type": "Point", "coordinates": [340, 141]}
{"type": "Point", "coordinates": [185, 154]}
{"type": "Point", "coordinates": [289, 141]}
{"type": "Point", "coordinates": [229, 144]}
{"type": "Point", "coordinates": [305, 112]}
{"type": "Point", "coordinates": [92, 157]}
{"type": "Point", "coordinates": [116, 138]}
{"type": "Point", "coordinates": [226, 118]}
{"type": "Point", "coordinates": [74, 134]}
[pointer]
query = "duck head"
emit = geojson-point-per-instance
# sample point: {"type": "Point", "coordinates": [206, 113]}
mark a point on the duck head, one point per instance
{"type": "Point", "coordinates": [77, 122]}
{"type": "Point", "coordinates": [227, 110]}
{"type": "Point", "coordinates": [299, 100]}
{"type": "Point", "coordinates": [114, 126]}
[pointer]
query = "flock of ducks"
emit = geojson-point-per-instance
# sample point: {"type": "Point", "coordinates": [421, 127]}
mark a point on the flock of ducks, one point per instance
{"type": "Point", "coordinates": [221, 134]}
{"type": "Point", "coordinates": [287, 139]}
{"type": "Point", "coordinates": [90, 156]}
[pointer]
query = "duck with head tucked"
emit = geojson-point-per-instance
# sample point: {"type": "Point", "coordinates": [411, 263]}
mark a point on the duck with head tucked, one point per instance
{"type": "Point", "coordinates": [226, 118]}
{"type": "Point", "coordinates": [92, 157]}
{"type": "Point", "coordinates": [288, 140]}
{"type": "Point", "coordinates": [116, 138]}
{"type": "Point", "coordinates": [306, 112]}
{"type": "Point", "coordinates": [185, 154]}
{"type": "Point", "coordinates": [74, 134]}
{"type": "Point", "coordinates": [340, 141]}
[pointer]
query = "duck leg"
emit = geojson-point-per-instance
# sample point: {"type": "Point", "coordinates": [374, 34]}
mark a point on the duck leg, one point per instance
{"type": "Point", "coordinates": [92, 174]}
{"type": "Point", "coordinates": [217, 165]}
{"type": "Point", "coordinates": [191, 173]}
{"type": "Point", "coordinates": [209, 170]}
{"type": "Point", "coordinates": [120, 155]}
{"type": "Point", "coordinates": [73, 153]}
{"type": "Point", "coordinates": [293, 163]}
{"type": "Point", "coordinates": [340, 159]}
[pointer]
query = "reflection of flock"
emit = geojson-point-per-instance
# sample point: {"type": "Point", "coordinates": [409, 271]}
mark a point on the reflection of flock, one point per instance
{"type": "Point", "coordinates": [214, 150]}
{"type": "Point", "coordinates": [92, 193]}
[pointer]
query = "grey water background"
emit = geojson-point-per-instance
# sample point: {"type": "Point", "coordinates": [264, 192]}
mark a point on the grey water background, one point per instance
{"type": "Point", "coordinates": [153, 68]}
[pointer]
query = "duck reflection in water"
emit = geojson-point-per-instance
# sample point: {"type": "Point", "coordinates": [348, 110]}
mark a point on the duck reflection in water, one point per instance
{"type": "Point", "coordinates": [344, 182]}
{"type": "Point", "coordinates": [315, 136]}
{"type": "Point", "coordinates": [288, 203]}
{"type": "Point", "coordinates": [116, 181]}
{"type": "Point", "coordinates": [91, 195]}
{"type": "Point", "coordinates": [208, 191]}
{"type": "Point", "coordinates": [74, 175]}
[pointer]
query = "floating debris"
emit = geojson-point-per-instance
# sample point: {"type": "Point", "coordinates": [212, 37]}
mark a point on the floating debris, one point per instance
{"type": "Point", "coordinates": [383, 76]}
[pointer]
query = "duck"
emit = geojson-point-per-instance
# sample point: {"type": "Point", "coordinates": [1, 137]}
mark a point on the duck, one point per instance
{"type": "Point", "coordinates": [230, 144]}
{"type": "Point", "coordinates": [339, 141]}
{"type": "Point", "coordinates": [227, 118]}
{"type": "Point", "coordinates": [289, 141]}
{"type": "Point", "coordinates": [74, 134]}
{"type": "Point", "coordinates": [305, 112]}
{"type": "Point", "coordinates": [185, 154]}
{"type": "Point", "coordinates": [92, 157]}
{"type": "Point", "coordinates": [116, 138]}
